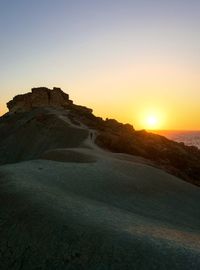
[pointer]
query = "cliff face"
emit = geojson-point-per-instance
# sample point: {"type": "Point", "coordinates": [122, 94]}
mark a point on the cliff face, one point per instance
{"type": "Point", "coordinates": [39, 97]}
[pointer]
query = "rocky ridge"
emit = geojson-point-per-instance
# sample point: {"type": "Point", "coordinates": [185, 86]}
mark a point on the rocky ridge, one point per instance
{"type": "Point", "coordinates": [36, 115]}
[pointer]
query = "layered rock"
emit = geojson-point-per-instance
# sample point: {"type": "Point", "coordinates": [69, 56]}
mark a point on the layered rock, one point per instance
{"type": "Point", "coordinates": [39, 97]}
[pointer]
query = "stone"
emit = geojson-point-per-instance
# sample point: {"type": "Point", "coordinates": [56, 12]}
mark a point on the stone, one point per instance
{"type": "Point", "coordinates": [39, 97]}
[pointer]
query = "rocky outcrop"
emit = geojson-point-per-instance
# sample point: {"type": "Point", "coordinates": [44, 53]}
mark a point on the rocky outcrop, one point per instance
{"type": "Point", "coordinates": [47, 131]}
{"type": "Point", "coordinates": [39, 97]}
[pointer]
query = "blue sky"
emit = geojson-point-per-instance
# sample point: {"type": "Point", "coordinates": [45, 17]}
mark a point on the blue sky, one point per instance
{"type": "Point", "coordinates": [114, 54]}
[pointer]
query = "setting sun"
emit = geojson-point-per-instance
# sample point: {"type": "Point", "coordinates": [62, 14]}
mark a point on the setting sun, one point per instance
{"type": "Point", "coordinates": [152, 122]}
{"type": "Point", "coordinates": [152, 119]}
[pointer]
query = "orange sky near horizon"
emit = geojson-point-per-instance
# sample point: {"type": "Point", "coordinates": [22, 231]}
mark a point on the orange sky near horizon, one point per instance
{"type": "Point", "coordinates": [172, 111]}
{"type": "Point", "coordinates": [132, 93]}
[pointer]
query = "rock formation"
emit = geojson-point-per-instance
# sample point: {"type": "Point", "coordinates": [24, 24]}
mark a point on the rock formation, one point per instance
{"type": "Point", "coordinates": [39, 97]}
{"type": "Point", "coordinates": [173, 157]}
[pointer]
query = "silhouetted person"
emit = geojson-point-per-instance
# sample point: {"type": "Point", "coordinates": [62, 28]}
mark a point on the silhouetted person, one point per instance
{"type": "Point", "coordinates": [91, 135]}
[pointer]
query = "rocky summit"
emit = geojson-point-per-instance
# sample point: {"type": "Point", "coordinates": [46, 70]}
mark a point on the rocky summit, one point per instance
{"type": "Point", "coordinates": [39, 97]}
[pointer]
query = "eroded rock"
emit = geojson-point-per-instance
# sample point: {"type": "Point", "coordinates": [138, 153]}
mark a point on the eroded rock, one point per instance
{"type": "Point", "coordinates": [39, 97]}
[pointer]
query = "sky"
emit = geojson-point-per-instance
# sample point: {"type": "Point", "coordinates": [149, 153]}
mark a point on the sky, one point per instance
{"type": "Point", "coordinates": [135, 61]}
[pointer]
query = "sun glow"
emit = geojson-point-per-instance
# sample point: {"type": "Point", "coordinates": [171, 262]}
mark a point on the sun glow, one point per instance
{"type": "Point", "coordinates": [152, 119]}
{"type": "Point", "coordinates": [152, 122]}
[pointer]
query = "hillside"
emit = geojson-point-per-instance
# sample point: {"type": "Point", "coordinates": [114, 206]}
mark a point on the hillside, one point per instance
{"type": "Point", "coordinates": [67, 203]}
{"type": "Point", "coordinates": [49, 119]}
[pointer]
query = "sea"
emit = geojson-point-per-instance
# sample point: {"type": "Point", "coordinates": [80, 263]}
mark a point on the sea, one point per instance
{"type": "Point", "coordinates": [187, 137]}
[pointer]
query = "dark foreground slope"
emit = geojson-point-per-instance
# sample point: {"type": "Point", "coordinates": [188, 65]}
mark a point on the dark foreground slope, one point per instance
{"type": "Point", "coordinates": [108, 214]}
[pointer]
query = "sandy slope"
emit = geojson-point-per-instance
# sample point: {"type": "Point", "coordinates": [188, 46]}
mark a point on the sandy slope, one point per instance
{"type": "Point", "coordinates": [96, 210]}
